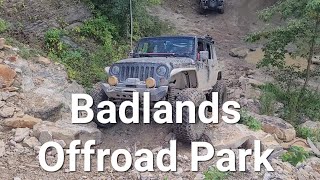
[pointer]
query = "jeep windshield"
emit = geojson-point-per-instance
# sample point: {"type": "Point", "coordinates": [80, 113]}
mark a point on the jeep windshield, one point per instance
{"type": "Point", "coordinates": [166, 47]}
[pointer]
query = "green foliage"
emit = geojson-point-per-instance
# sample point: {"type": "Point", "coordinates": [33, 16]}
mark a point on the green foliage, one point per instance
{"type": "Point", "coordinates": [103, 39]}
{"type": "Point", "coordinates": [295, 155]}
{"type": "Point", "coordinates": [3, 26]}
{"type": "Point", "coordinates": [214, 174]}
{"type": "Point", "coordinates": [250, 121]}
{"type": "Point", "coordinates": [118, 12]}
{"type": "Point", "coordinates": [293, 108]}
{"type": "Point", "coordinates": [267, 101]}
{"type": "Point", "coordinates": [305, 133]}
{"type": "Point", "coordinates": [300, 29]}
{"type": "Point", "coordinates": [53, 41]}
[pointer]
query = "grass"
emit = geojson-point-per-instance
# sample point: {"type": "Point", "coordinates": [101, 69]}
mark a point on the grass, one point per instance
{"type": "Point", "coordinates": [250, 121]}
{"type": "Point", "coordinates": [214, 174]}
{"type": "Point", "coordinates": [305, 133]}
{"type": "Point", "coordinates": [3, 26]}
{"type": "Point", "coordinates": [293, 108]}
{"type": "Point", "coordinates": [267, 100]}
{"type": "Point", "coordinates": [295, 155]}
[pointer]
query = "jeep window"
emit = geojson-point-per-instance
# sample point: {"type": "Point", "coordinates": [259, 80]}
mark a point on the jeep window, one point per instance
{"type": "Point", "coordinates": [166, 46]}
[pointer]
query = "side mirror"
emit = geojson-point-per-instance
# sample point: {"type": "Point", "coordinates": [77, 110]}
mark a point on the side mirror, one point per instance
{"type": "Point", "coordinates": [204, 55]}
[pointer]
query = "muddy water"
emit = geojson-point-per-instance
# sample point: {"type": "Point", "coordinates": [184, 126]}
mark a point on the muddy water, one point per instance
{"type": "Point", "coordinates": [255, 56]}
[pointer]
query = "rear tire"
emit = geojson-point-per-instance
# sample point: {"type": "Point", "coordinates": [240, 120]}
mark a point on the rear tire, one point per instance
{"type": "Point", "coordinates": [221, 9]}
{"type": "Point", "coordinates": [200, 9]}
{"type": "Point", "coordinates": [187, 132]}
{"type": "Point", "coordinates": [98, 96]}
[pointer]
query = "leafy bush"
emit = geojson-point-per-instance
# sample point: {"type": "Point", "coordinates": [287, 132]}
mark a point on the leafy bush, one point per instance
{"type": "Point", "coordinates": [295, 155]}
{"type": "Point", "coordinates": [53, 41]}
{"type": "Point", "coordinates": [293, 108]}
{"type": "Point", "coordinates": [267, 101]}
{"type": "Point", "coordinates": [104, 38]}
{"type": "Point", "coordinates": [3, 25]}
{"type": "Point", "coordinates": [250, 121]}
{"type": "Point", "coordinates": [214, 174]}
{"type": "Point", "coordinates": [305, 133]}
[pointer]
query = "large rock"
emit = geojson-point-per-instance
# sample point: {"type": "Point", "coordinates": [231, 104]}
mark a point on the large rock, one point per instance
{"type": "Point", "coordinates": [68, 132]}
{"type": "Point", "coordinates": [274, 125]}
{"type": "Point", "coordinates": [45, 136]}
{"type": "Point", "coordinates": [21, 134]}
{"type": "Point", "coordinates": [6, 112]}
{"type": "Point", "coordinates": [233, 136]}
{"type": "Point", "coordinates": [43, 61]}
{"type": "Point", "coordinates": [240, 52]}
{"type": "Point", "coordinates": [31, 142]}
{"type": "Point", "coordinates": [25, 122]}
{"type": "Point", "coordinates": [313, 125]}
{"type": "Point", "coordinates": [7, 75]}
{"type": "Point", "coordinates": [43, 107]}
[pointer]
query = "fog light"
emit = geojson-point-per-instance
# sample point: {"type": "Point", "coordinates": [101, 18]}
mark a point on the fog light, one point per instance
{"type": "Point", "coordinates": [150, 82]}
{"type": "Point", "coordinates": [112, 81]}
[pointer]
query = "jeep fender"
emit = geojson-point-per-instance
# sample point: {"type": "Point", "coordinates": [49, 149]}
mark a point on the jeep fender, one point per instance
{"type": "Point", "coordinates": [184, 78]}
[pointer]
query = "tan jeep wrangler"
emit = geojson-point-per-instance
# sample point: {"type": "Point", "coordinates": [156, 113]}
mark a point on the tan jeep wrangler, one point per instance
{"type": "Point", "coordinates": [171, 68]}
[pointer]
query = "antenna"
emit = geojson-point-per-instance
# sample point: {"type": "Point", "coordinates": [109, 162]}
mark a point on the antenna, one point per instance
{"type": "Point", "coordinates": [131, 26]}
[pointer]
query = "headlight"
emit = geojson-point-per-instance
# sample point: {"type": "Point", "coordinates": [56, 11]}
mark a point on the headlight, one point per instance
{"type": "Point", "coordinates": [150, 82]}
{"type": "Point", "coordinates": [115, 70]}
{"type": "Point", "coordinates": [112, 81]}
{"type": "Point", "coordinates": [161, 70]}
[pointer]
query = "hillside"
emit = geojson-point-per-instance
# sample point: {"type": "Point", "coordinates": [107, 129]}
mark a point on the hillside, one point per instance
{"type": "Point", "coordinates": [35, 97]}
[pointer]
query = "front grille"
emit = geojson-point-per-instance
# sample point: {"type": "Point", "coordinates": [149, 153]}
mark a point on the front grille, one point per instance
{"type": "Point", "coordinates": [136, 71]}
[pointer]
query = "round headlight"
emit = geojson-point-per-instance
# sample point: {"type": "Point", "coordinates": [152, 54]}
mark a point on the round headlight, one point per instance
{"type": "Point", "coordinates": [150, 82]}
{"type": "Point", "coordinates": [161, 70]}
{"type": "Point", "coordinates": [112, 81]}
{"type": "Point", "coordinates": [115, 70]}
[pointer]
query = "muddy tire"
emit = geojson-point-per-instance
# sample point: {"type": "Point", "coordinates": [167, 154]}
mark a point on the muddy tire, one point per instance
{"type": "Point", "coordinates": [221, 9]}
{"type": "Point", "coordinates": [200, 9]}
{"type": "Point", "coordinates": [187, 132]}
{"type": "Point", "coordinates": [98, 96]}
{"type": "Point", "coordinates": [221, 88]}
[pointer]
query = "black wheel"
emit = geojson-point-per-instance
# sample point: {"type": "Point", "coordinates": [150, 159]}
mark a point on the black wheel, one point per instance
{"type": "Point", "coordinates": [221, 9]}
{"type": "Point", "coordinates": [221, 88]}
{"type": "Point", "coordinates": [201, 10]}
{"type": "Point", "coordinates": [98, 96]}
{"type": "Point", "coordinates": [187, 132]}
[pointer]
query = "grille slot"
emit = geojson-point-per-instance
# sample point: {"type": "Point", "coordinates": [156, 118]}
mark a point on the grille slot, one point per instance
{"type": "Point", "coordinates": [136, 71]}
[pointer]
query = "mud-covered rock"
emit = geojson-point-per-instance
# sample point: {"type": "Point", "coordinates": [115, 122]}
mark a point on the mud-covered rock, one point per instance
{"type": "Point", "coordinates": [313, 125]}
{"type": "Point", "coordinates": [25, 122]}
{"type": "Point", "coordinates": [30, 142]}
{"type": "Point", "coordinates": [21, 134]}
{"type": "Point", "coordinates": [240, 52]}
{"type": "Point", "coordinates": [7, 75]}
{"type": "Point", "coordinates": [68, 132]}
{"type": "Point", "coordinates": [274, 125]}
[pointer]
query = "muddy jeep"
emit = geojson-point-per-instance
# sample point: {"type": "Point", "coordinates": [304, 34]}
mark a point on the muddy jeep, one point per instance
{"type": "Point", "coordinates": [171, 68]}
{"type": "Point", "coordinates": [212, 5]}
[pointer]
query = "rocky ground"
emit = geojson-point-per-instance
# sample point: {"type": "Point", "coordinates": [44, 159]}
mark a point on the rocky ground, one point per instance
{"type": "Point", "coordinates": [35, 100]}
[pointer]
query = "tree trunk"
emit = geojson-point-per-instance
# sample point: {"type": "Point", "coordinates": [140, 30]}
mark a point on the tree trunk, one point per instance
{"type": "Point", "coordinates": [311, 53]}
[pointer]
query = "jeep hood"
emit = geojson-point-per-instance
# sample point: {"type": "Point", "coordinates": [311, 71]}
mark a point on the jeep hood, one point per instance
{"type": "Point", "coordinates": [174, 62]}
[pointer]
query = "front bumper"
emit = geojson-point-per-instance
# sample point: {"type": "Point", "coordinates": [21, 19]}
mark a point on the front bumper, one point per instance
{"type": "Point", "coordinates": [123, 92]}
